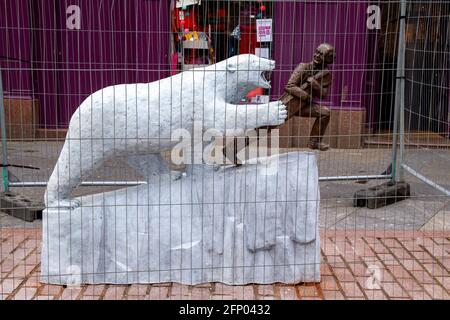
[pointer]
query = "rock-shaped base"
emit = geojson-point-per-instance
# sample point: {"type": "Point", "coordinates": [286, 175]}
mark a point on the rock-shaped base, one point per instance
{"type": "Point", "coordinates": [253, 224]}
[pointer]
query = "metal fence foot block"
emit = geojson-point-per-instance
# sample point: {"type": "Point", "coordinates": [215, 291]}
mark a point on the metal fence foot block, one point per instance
{"type": "Point", "coordinates": [20, 206]}
{"type": "Point", "coordinates": [381, 195]}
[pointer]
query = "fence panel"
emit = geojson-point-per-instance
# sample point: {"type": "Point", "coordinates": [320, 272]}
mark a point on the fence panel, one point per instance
{"type": "Point", "coordinates": [138, 223]}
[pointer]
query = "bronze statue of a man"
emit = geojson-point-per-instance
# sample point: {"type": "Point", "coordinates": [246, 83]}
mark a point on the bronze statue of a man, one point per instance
{"type": "Point", "coordinates": [308, 81]}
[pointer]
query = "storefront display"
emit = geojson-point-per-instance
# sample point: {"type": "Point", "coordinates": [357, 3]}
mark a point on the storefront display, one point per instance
{"type": "Point", "coordinates": [205, 32]}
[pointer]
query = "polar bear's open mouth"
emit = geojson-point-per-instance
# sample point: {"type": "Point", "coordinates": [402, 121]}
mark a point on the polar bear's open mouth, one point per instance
{"type": "Point", "coordinates": [265, 78]}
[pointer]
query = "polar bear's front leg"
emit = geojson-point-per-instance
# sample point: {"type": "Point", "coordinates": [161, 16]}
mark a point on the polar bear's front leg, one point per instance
{"type": "Point", "coordinates": [251, 116]}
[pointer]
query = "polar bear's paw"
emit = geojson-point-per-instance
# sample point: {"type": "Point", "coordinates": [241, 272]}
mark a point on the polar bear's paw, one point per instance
{"type": "Point", "coordinates": [69, 204]}
{"type": "Point", "coordinates": [278, 113]}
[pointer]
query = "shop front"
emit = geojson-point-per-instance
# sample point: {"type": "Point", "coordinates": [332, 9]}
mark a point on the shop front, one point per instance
{"type": "Point", "coordinates": [141, 41]}
{"type": "Point", "coordinates": [205, 32]}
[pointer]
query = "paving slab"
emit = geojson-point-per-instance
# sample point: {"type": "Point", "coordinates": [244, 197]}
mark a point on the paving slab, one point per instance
{"type": "Point", "coordinates": [410, 214]}
{"type": "Point", "coordinates": [440, 221]}
{"type": "Point", "coordinates": [348, 272]}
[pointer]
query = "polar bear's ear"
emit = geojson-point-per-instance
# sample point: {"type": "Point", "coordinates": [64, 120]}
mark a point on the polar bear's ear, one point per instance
{"type": "Point", "coordinates": [231, 67]}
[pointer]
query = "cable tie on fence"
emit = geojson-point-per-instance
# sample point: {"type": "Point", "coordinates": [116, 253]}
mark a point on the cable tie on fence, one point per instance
{"type": "Point", "coordinates": [402, 17]}
{"type": "Point", "coordinates": [400, 77]}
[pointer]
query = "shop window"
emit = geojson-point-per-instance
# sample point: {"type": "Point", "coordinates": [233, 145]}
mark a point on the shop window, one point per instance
{"type": "Point", "coordinates": [205, 32]}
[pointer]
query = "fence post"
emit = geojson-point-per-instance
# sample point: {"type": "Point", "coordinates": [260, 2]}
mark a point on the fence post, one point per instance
{"type": "Point", "coordinates": [402, 50]}
{"type": "Point", "coordinates": [399, 120]}
{"type": "Point", "coordinates": [4, 143]}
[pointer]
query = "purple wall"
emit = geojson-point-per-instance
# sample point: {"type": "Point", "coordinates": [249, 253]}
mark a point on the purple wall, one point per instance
{"type": "Point", "coordinates": [299, 27]}
{"type": "Point", "coordinates": [128, 41]}
{"type": "Point", "coordinates": [15, 50]}
{"type": "Point", "coordinates": [119, 41]}
{"type": "Point", "coordinates": [46, 69]}
{"type": "Point", "coordinates": [125, 42]}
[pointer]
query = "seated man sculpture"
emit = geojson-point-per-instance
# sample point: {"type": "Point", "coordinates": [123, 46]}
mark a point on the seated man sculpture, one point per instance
{"type": "Point", "coordinates": [139, 119]}
{"type": "Point", "coordinates": [308, 81]}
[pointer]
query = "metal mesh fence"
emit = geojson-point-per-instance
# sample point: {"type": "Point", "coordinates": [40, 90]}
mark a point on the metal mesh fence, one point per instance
{"type": "Point", "coordinates": [426, 95]}
{"type": "Point", "coordinates": [145, 226]}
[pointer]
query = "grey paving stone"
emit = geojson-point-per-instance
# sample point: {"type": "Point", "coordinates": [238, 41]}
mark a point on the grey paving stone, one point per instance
{"type": "Point", "coordinates": [410, 214]}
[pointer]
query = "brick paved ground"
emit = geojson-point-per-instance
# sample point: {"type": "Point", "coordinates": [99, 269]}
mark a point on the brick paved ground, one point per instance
{"type": "Point", "coordinates": [409, 265]}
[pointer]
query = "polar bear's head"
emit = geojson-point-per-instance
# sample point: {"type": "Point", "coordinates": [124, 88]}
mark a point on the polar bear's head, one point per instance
{"type": "Point", "coordinates": [251, 69]}
{"type": "Point", "coordinates": [248, 70]}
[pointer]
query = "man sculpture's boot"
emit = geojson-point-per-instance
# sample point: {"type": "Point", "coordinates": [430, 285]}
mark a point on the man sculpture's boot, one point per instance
{"type": "Point", "coordinates": [316, 144]}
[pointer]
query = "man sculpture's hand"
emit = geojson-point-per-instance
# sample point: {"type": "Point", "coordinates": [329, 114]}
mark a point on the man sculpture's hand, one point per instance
{"type": "Point", "coordinates": [315, 85]}
{"type": "Point", "coordinates": [307, 98]}
{"type": "Point", "coordinates": [318, 90]}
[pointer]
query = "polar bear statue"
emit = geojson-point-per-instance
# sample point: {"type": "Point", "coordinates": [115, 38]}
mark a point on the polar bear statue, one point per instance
{"type": "Point", "coordinates": [138, 119]}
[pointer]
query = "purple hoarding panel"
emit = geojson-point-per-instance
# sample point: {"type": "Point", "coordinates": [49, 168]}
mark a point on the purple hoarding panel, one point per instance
{"type": "Point", "coordinates": [118, 41]}
{"type": "Point", "coordinates": [45, 61]}
{"type": "Point", "coordinates": [15, 49]}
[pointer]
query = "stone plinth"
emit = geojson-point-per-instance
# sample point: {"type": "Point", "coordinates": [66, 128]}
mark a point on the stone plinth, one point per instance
{"type": "Point", "coordinates": [257, 223]}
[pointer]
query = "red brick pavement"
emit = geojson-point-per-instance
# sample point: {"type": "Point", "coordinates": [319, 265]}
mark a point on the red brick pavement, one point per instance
{"type": "Point", "coordinates": [355, 265]}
